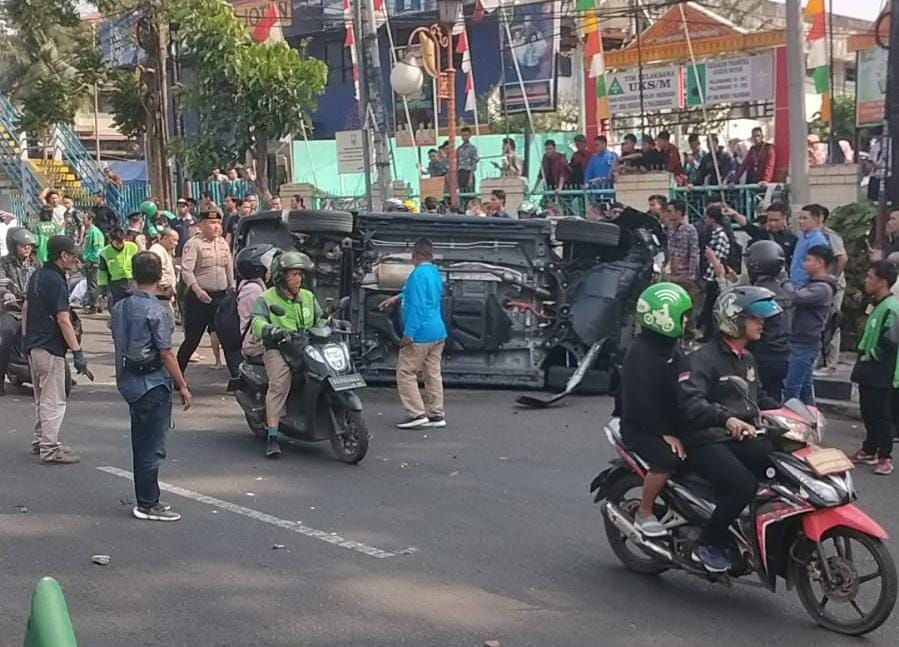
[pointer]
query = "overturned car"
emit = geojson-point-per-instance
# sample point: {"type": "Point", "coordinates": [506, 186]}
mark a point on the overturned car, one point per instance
{"type": "Point", "coordinates": [523, 300]}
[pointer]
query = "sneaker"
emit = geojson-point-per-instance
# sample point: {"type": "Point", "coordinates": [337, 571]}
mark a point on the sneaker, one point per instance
{"type": "Point", "coordinates": [413, 421]}
{"type": "Point", "coordinates": [825, 371]}
{"type": "Point", "coordinates": [863, 457]}
{"type": "Point", "coordinates": [63, 456]}
{"type": "Point", "coordinates": [158, 512]}
{"type": "Point", "coordinates": [36, 449]}
{"type": "Point", "coordinates": [884, 467]}
{"type": "Point", "coordinates": [435, 421]}
{"type": "Point", "coordinates": [272, 448]}
{"type": "Point", "coordinates": [650, 526]}
{"type": "Point", "coordinates": [711, 557]}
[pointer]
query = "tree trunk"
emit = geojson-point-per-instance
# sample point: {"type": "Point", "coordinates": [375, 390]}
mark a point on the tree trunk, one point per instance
{"type": "Point", "coordinates": [260, 156]}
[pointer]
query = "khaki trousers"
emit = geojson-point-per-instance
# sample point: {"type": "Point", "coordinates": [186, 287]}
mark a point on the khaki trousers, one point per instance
{"type": "Point", "coordinates": [279, 380]}
{"type": "Point", "coordinates": [48, 377]}
{"type": "Point", "coordinates": [423, 358]}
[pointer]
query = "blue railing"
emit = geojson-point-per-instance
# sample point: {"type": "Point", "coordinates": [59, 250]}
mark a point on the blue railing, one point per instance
{"type": "Point", "coordinates": [744, 198]}
{"type": "Point", "coordinates": [11, 163]}
{"type": "Point", "coordinates": [87, 169]}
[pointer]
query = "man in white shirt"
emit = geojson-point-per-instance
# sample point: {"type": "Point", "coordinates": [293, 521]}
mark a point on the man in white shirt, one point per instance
{"type": "Point", "coordinates": [52, 198]}
{"type": "Point", "coordinates": [7, 220]}
{"type": "Point", "coordinates": [164, 248]}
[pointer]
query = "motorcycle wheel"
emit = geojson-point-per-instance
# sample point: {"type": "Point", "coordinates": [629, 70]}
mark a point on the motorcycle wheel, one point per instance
{"type": "Point", "coordinates": [840, 606]}
{"type": "Point", "coordinates": [349, 436]}
{"type": "Point", "coordinates": [622, 494]}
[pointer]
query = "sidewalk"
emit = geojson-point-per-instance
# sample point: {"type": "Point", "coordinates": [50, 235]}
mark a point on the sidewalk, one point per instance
{"type": "Point", "coordinates": [835, 392]}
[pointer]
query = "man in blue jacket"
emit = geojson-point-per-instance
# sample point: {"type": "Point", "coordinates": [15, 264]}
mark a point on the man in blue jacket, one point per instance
{"type": "Point", "coordinates": [424, 335]}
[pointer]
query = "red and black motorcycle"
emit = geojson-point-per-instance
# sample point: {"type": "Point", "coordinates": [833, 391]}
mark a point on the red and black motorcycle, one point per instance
{"type": "Point", "coordinates": [801, 526]}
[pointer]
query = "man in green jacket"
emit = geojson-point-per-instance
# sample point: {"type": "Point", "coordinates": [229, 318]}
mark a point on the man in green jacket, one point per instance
{"type": "Point", "coordinates": [301, 312]}
{"type": "Point", "coordinates": [114, 277]}
{"type": "Point", "coordinates": [94, 242]}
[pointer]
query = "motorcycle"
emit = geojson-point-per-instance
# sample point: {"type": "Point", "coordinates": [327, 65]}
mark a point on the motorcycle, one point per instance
{"type": "Point", "coordinates": [801, 525]}
{"type": "Point", "coordinates": [19, 369]}
{"type": "Point", "coordinates": [323, 402]}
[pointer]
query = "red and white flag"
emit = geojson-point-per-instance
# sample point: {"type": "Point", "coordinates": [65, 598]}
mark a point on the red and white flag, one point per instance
{"type": "Point", "coordinates": [268, 29]}
{"type": "Point", "coordinates": [463, 49]}
{"type": "Point", "coordinates": [350, 42]}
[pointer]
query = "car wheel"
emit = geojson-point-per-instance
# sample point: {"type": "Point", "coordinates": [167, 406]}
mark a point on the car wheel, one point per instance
{"type": "Point", "coordinates": [320, 221]}
{"type": "Point", "coordinates": [575, 230]}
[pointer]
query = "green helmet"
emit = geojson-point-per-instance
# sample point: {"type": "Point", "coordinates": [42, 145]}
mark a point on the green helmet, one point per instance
{"type": "Point", "coordinates": [148, 208]}
{"type": "Point", "coordinates": [661, 308]}
{"type": "Point", "coordinates": [290, 261]}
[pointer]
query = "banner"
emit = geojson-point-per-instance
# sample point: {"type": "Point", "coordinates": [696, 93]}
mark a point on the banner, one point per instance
{"type": "Point", "coordinates": [662, 90]}
{"type": "Point", "coordinates": [535, 32]}
{"type": "Point", "coordinates": [731, 80]}
{"type": "Point", "coordinates": [871, 86]}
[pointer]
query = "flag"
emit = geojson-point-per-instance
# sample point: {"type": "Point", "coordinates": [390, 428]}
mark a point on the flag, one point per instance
{"type": "Point", "coordinates": [817, 54]}
{"type": "Point", "coordinates": [379, 8]}
{"type": "Point", "coordinates": [464, 50]}
{"type": "Point", "coordinates": [593, 54]}
{"type": "Point", "coordinates": [268, 29]}
{"type": "Point", "coordinates": [350, 42]}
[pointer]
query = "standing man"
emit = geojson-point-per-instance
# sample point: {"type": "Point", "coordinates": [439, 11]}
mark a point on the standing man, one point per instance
{"type": "Point", "coordinates": [94, 242]}
{"type": "Point", "coordinates": [579, 160]}
{"type": "Point", "coordinates": [707, 173]}
{"type": "Point", "coordinates": [73, 220]}
{"type": "Point", "coordinates": [183, 224]}
{"type": "Point", "coordinates": [424, 336]}
{"type": "Point", "coordinates": [811, 235]}
{"type": "Point", "coordinates": [812, 304]}
{"type": "Point", "coordinates": [498, 204]}
{"type": "Point", "coordinates": [774, 228]}
{"type": "Point", "coordinates": [16, 269]}
{"type": "Point", "coordinates": [208, 272]}
{"type": "Point", "coordinates": [719, 247]}
{"type": "Point", "coordinates": [683, 250]}
{"type": "Point", "coordinates": [598, 174]}
{"type": "Point", "coordinates": [50, 198]}
{"type": "Point", "coordinates": [554, 167]}
{"type": "Point", "coordinates": [244, 209]}
{"type": "Point", "coordinates": [114, 268]}
{"type": "Point", "coordinates": [145, 368]}
{"type": "Point", "coordinates": [48, 335]}
{"type": "Point", "coordinates": [875, 371]}
{"type": "Point", "coordinates": [467, 159]}
{"type": "Point", "coordinates": [672, 161]}
{"type": "Point", "coordinates": [229, 212]}
{"type": "Point", "coordinates": [831, 352]}
{"type": "Point", "coordinates": [164, 248]}
{"type": "Point", "coordinates": [104, 217]}
{"type": "Point", "coordinates": [758, 165]}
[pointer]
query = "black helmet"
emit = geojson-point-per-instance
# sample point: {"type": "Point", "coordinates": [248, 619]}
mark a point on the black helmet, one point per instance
{"type": "Point", "coordinates": [765, 258]}
{"type": "Point", "coordinates": [253, 262]}
{"type": "Point", "coordinates": [733, 306]}
{"type": "Point", "coordinates": [18, 237]}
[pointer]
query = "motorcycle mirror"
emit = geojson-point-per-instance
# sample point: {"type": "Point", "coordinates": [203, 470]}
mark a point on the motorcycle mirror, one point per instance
{"type": "Point", "coordinates": [277, 310]}
{"type": "Point", "coordinates": [798, 407]}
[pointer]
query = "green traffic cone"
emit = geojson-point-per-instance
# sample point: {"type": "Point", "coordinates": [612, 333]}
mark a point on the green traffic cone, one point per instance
{"type": "Point", "coordinates": [49, 624]}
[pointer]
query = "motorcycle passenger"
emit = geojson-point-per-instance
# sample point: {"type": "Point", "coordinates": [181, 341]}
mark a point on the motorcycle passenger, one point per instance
{"type": "Point", "coordinates": [15, 269]}
{"type": "Point", "coordinates": [719, 436]}
{"type": "Point", "coordinates": [302, 312]}
{"type": "Point", "coordinates": [114, 269]}
{"type": "Point", "coordinates": [765, 261]}
{"type": "Point", "coordinates": [253, 269]}
{"type": "Point", "coordinates": [649, 413]}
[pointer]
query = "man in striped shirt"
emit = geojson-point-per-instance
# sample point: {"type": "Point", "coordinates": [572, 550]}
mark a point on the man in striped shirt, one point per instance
{"type": "Point", "coordinates": [719, 245]}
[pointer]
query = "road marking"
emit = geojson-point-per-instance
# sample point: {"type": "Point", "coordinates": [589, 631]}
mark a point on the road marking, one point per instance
{"type": "Point", "coordinates": [286, 524]}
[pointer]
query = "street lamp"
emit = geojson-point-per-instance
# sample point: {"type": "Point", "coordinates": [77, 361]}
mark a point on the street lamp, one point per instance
{"type": "Point", "coordinates": [431, 49]}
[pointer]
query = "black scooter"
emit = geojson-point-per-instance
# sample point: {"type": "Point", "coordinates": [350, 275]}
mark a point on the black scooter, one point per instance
{"type": "Point", "coordinates": [323, 402]}
{"type": "Point", "coordinates": [19, 369]}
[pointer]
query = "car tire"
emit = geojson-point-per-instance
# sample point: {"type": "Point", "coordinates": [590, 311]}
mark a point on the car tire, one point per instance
{"type": "Point", "coordinates": [575, 230]}
{"type": "Point", "coordinates": [595, 382]}
{"type": "Point", "coordinates": [320, 221]}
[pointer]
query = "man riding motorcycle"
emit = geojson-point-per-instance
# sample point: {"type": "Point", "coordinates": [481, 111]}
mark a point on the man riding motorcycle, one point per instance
{"type": "Point", "coordinates": [15, 270]}
{"type": "Point", "coordinates": [718, 434]}
{"type": "Point", "coordinates": [649, 415]}
{"type": "Point", "coordinates": [301, 312]}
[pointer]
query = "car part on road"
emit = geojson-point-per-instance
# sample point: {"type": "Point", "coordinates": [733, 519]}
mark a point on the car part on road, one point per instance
{"type": "Point", "coordinates": [535, 402]}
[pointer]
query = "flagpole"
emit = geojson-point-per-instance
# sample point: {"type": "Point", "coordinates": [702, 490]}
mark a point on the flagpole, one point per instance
{"type": "Point", "coordinates": [833, 138]}
{"type": "Point", "coordinates": [502, 68]}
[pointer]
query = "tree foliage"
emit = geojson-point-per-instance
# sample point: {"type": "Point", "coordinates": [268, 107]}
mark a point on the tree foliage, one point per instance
{"type": "Point", "coordinates": [48, 61]}
{"type": "Point", "coordinates": [244, 94]}
{"type": "Point", "coordinates": [128, 108]}
{"type": "Point", "coordinates": [843, 120]}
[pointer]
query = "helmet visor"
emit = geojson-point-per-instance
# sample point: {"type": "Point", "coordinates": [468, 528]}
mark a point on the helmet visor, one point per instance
{"type": "Point", "coordinates": [763, 309]}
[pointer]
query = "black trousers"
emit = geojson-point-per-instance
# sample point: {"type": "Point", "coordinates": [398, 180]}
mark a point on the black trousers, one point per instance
{"type": "Point", "coordinates": [197, 317]}
{"type": "Point", "coordinates": [10, 334]}
{"type": "Point", "coordinates": [878, 407]}
{"type": "Point", "coordinates": [707, 318]}
{"type": "Point", "coordinates": [465, 180]}
{"type": "Point", "coordinates": [733, 468]}
{"type": "Point", "coordinates": [771, 374]}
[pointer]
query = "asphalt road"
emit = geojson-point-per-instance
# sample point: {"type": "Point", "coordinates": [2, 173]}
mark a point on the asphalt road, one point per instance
{"type": "Point", "coordinates": [480, 531]}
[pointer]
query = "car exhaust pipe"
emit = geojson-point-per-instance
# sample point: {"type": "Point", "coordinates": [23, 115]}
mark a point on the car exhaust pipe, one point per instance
{"type": "Point", "coordinates": [628, 529]}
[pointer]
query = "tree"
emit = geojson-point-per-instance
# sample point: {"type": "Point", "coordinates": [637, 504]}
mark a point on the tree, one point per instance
{"type": "Point", "coordinates": [244, 94]}
{"type": "Point", "coordinates": [48, 62]}
{"type": "Point", "coordinates": [843, 120]}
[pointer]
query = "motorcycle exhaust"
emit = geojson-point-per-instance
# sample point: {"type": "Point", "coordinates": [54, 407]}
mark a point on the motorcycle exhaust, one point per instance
{"type": "Point", "coordinates": [627, 528]}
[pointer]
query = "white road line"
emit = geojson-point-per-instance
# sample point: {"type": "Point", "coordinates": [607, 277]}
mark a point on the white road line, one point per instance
{"type": "Point", "coordinates": [294, 526]}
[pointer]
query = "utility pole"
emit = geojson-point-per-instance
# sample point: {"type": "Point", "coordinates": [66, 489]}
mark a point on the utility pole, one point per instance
{"type": "Point", "coordinates": [889, 190]}
{"type": "Point", "coordinates": [799, 192]}
{"type": "Point", "coordinates": [156, 43]}
{"type": "Point", "coordinates": [372, 100]}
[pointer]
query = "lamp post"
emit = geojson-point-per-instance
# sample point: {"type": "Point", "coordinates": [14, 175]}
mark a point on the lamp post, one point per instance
{"type": "Point", "coordinates": [431, 49]}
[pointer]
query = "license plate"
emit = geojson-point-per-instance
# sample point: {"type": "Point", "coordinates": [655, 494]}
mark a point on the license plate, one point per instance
{"type": "Point", "coordinates": [346, 382]}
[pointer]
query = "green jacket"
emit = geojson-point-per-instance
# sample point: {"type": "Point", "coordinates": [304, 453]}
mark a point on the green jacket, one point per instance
{"type": "Point", "coordinates": [301, 313]}
{"type": "Point", "coordinates": [94, 241]}
{"type": "Point", "coordinates": [115, 265]}
{"type": "Point", "coordinates": [43, 231]}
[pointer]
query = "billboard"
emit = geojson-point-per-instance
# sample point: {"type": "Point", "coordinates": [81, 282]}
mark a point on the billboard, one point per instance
{"type": "Point", "coordinates": [870, 86]}
{"type": "Point", "coordinates": [661, 90]}
{"type": "Point", "coordinates": [530, 44]}
{"type": "Point", "coordinates": [739, 79]}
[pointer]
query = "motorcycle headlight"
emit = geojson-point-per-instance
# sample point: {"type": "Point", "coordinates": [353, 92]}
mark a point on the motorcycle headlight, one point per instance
{"type": "Point", "coordinates": [827, 494]}
{"type": "Point", "coordinates": [335, 357]}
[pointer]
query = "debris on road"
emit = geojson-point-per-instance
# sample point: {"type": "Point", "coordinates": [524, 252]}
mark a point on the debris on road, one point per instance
{"type": "Point", "coordinates": [250, 494]}
{"type": "Point", "coordinates": [491, 643]}
{"type": "Point", "coordinates": [100, 560]}
{"type": "Point", "coordinates": [278, 547]}
{"type": "Point", "coordinates": [21, 508]}
{"type": "Point", "coordinates": [408, 550]}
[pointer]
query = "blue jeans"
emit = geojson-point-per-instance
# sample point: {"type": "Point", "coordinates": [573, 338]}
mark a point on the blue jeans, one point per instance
{"type": "Point", "coordinates": [799, 382]}
{"type": "Point", "coordinates": [150, 418]}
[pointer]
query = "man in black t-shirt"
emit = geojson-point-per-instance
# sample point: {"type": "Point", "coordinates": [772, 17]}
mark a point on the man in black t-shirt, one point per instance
{"type": "Point", "coordinates": [104, 217]}
{"type": "Point", "coordinates": [48, 335]}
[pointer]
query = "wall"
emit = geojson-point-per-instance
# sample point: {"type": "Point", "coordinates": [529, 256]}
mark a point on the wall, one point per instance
{"type": "Point", "coordinates": [833, 186]}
